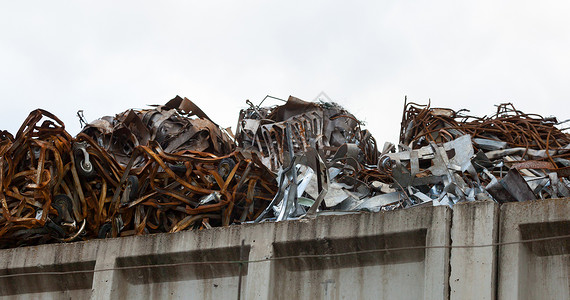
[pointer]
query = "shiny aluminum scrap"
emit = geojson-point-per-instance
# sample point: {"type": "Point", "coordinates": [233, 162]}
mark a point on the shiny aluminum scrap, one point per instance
{"type": "Point", "coordinates": [446, 157]}
{"type": "Point", "coordinates": [324, 126]}
{"type": "Point", "coordinates": [323, 158]}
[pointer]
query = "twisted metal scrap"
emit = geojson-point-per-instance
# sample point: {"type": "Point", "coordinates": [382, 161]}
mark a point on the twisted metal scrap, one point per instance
{"type": "Point", "coordinates": [312, 133]}
{"type": "Point", "coordinates": [172, 199]}
{"type": "Point", "coordinates": [509, 138]}
{"type": "Point", "coordinates": [322, 126]}
{"type": "Point", "coordinates": [171, 168]}
{"type": "Point", "coordinates": [36, 166]}
{"type": "Point", "coordinates": [177, 125]}
{"type": "Point", "coordinates": [422, 124]}
{"type": "Point", "coordinates": [165, 171]}
{"type": "Point", "coordinates": [156, 170]}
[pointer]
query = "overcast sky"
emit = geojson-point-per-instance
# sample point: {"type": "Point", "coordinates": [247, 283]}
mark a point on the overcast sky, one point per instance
{"type": "Point", "coordinates": [107, 56]}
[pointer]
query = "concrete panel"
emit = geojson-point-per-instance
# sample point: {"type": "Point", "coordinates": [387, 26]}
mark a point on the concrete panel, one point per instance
{"type": "Point", "coordinates": [473, 270]}
{"type": "Point", "coordinates": [48, 258]}
{"type": "Point", "coordinates": [405, 274]}
{"type": "Point", "coordinates": [179, 279]}
{"type": "Point", "coordinates": [164, 265]}
{"type": "Point", "coordinates": [538, 270]}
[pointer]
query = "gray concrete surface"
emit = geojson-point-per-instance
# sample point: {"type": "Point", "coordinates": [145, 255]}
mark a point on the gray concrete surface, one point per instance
{"type": "Point", "coordinates": [409, 274]}
{"type": "Point", "coordinates": [538, 270]}
{"type": "Point", "coordinates": [525, 271]}
{"type": "Point", "coordinates": [421, 274]}
{"type": "Point", "coordinates": [473, 270]}
{"type": "Point", "coordinates": [49, 258]}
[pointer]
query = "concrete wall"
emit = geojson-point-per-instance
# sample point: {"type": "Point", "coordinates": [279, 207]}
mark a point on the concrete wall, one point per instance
{"type": "Point", "coordinates": [538, 270]}
{"type": "Point", "coordinates": [473, 269]}
{"type": "Point", "coordinates": [125, 268]}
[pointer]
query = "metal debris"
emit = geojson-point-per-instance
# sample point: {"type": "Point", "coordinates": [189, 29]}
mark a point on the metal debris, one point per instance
{"type": "Point", "coordinates": [157, 170]}
{"type": "Point", "coordinates": [322, 137]}
{"type": "Point", "coordinates": [509, 156]}
{"type": "Point", "coordinates": [171, 168]}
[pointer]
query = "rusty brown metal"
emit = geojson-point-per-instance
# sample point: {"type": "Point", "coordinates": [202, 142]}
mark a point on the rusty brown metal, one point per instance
{"type": "Point", "coordinates": [507, 139]}
{"type": "Point", "coordinates": [533, 164]}
{"type": "Point", "coordinates": [158, 170]}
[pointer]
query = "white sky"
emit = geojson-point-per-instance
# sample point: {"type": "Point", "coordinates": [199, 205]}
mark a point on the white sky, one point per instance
{"type": "Point", "coordinates": [107, 56]}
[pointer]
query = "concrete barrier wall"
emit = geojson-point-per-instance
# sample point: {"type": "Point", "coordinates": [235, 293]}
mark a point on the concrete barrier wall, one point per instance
{"type": "Point", "coordinates": [305, 259]}
{"type": "Point", "coordinates": [538, 270]}
{"type": "Point", "coordinates": [419, 273]}
{"type": "Point", "coordinates": [49, 258]}
{"type": "Point", "coordinates": [473, 270]}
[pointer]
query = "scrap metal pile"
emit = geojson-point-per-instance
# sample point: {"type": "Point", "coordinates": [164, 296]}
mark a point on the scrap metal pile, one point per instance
{"type": "Point", "coordinates": [322, 157]}
{"type": "Point", "coordinates": [158, 170]}
{"type": "Point", "coordinates": [446, 156]}
{"type": "Point", "coordinates": [171, 168]}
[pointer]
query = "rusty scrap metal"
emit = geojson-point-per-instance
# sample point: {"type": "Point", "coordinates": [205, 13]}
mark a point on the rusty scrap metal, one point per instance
{"type": "Point", "coordinates": [157, 170]}
{"type": "Point", "coordinates": [37, 174]}
{"type": "Point", "coordinates": [178, 125]}
{"type": "Point", "coordinates": [518, 156]}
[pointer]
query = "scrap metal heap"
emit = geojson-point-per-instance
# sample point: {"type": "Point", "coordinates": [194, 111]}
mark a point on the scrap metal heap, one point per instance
{"type": "Point", "coordinates": [171, 168]}
{"type": "Point", "coordinates": [447, 156]}
{"type": "Point", "coordinates": [323, 159]}
{"type": "Point", "coordinates": [36, 167]}
{"type": "Point", "coordinates": [160, 170]}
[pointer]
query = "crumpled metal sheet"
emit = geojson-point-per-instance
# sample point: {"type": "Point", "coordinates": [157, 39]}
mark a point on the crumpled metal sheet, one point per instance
{"type": "Point", "coordinates": [176, 126]}
{"type": "Point", "coordinates": [444, 157]}
{"type": "Point", "coordinates": [321, 137]}
{"type": "Point", "coordinates": [322, 126]}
